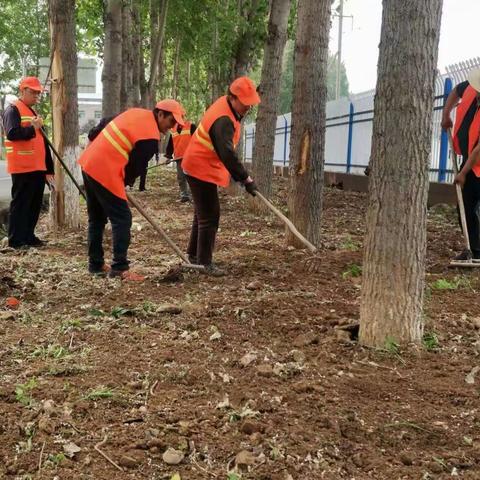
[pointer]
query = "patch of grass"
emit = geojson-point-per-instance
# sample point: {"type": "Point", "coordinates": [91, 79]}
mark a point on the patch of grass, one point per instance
{"type": "Point", "coordinates": [353, 270]}
{"type": "Point", "coordinates": [51, 351]}
{"type": "Point", "coordinates": [233, 476]}
{"type": "Point", "coordinates": [99, 393]}
{"type": "Point", "coordinates": [349, 244]}
{"type": "Point", "coordinates": [55, 460]}
{"type": "Point", "coordinates": [445, 284]}
{"type": "Point", "coordinates": [118, 312]}
{"type": "Point", "coordinates": [70, 324]}
{"type": "Point", "coordinates": [391, 346]}
{"type": "Point", "coordinates": [430, 341]}
{"type": "Point", "coordinates": [23, 392]}
{"type": "Point", "coordinates": [95, 312]}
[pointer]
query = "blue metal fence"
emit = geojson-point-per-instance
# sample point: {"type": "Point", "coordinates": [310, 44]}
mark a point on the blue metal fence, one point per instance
{"type": "Point", "coordinates": [439, 167]}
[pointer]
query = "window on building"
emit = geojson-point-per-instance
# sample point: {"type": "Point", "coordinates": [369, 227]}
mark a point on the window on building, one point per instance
{"type": "Point", "coordinates": [81, 114]}
{"type": "Point", "coordinates": [98, 114]}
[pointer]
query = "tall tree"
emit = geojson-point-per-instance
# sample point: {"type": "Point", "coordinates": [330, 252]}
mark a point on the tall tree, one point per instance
{"type": "Point", "coordinates": [307, 142]}
{"type": "Point", "coordinates": [156, 53]}
{"type": "Point", "coordinates": [269, 89]}
{"type": "Point", "coordinates": [394, 258]}
{"type": "Point", "coordinates": [65, 199]}
{"type": "Point", "coordinates": [127, 94]}
{"type": "Point", "coordinates": [112, 58]}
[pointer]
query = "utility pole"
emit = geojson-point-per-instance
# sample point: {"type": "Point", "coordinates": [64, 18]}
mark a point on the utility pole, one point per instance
{"type": "Point", "coordinates": [340, 16]}
{"type": "Point", "coordinates": [339, 52]}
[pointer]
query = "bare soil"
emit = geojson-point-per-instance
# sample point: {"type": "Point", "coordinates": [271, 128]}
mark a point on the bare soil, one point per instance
{"type": "Point", "coordinates": [256, 375]}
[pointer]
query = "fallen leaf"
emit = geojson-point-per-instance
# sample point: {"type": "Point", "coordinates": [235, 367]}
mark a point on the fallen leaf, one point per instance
{"type": "Point", "coordinates": [71, 449]}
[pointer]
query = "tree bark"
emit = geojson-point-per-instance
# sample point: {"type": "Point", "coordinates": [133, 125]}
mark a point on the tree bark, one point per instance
{"type": "Point", "coordinates": [394, 258]}
{"type": "Point", "coordinates": [127, 93]}
{"type": "Point", "coordinates": [65, 206]}
{"type": "Point", "coordinates": [307, 141]}
{"type": "Point", "coordinates": [176, 68]}
{"type": "Point", "coordinates": [270, 82]}
{"type": "Point", "coordinates": [112, 58]}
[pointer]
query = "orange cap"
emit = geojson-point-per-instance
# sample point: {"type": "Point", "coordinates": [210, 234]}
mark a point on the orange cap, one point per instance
{"type": "Point", "coordinates": [245, 90]}
{"type": "Point", "coordinates": [174, 108]}
{"type": "Point", "coordinates": [33, 83]}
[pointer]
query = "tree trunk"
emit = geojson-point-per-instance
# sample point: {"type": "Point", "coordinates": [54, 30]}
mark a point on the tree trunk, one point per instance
{"type": "Point", "coordinates": [307, 141]}
{"type": "Point", "coordinates": [112, 58]}
{"type": "Point", "coordinates": [65, 206]}
{"type": "Point", "coordinates": [394, 258]}
{"type": "Point", "coordinates": [137, 54]}
{"type": "Point", "coordinates": [176, 68]}
{"type": "Point", "coordinates": [246, 44]}
{"type": "Point", "coordinates": [156, 53]}
{"type": "Point", "coordinates": [266, 122]}
{"type": "Point", "coordinates": [127, 94]}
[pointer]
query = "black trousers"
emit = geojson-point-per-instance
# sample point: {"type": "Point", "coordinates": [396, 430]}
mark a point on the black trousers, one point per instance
{"type": "Point", "coordinates": [206, 218]}
{"type": "Point", "coordinates": [103, 205]}
{"type": "Point", "coordinates": [471, 200]}
{"type": "Point", "coordinates": [143, 180]}
{"type": "Point", "coordinates": [27, 197]}
{"type": "Point", "coordinates": [182, 181]}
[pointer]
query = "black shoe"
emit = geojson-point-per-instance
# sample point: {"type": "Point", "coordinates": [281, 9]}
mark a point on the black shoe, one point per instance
{"type": "Point", "coordinates": [213, 271]}
{"type": "Point", "coordinates": [18, 246]}
{"type": "Point", "coordinates": [463, 256]}
{"type": "Point", "coordinates": [142, 189]}
{"type": "Point", "coordinates": [192, 259]}
{"type": "Point", "coordinates": [36, 242]}
{"type": "Point", "coordinates": [185, 199]}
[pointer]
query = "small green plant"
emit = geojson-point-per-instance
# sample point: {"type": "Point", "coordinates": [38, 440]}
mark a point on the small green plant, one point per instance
{"type": "Point", "coordinates": [349, 244]}
{"type": "Point", "coordinates": [56, 459]}
{"type": "Point", "coordinates": [233, 476]}
{"type": "Point", "coordinates": [70, 324]}
{"type": "Point", "coordinates": [461, 281]}
{"type": "Point", "coordinates": [353, 270]}
{"type": "Point", "coordinates": [51, 351]}
{"type": "Point", "coordinates": [430, 341]}
{"type": "Point", "coordinates": [23, 392]}
{"type": "Point", "coordinates": [118, 312]}
{"type": "Point", "coordinates": [391, 346]}
{"type": "Point", "coordinates": [95, 312]}
{"type": "Point", "coordinates": [99, 393]}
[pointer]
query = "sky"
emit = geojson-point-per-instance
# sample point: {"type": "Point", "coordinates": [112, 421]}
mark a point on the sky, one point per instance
{"type": "Point", "coordinates": [362, 36]}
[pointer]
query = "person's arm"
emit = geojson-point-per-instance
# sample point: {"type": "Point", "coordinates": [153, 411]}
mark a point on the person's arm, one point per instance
{"type": "Point", "coordinates": [94, 132]}
{"type": "Point", "coordinates": [12, 126]}
{"type": "Point", "coordinates": [452, 101]}
{"type": "Point", "coordinates": [169, 150]}
{"type": "Point", "coordinates": [138, 159]}
{"type": "Point", "coordinates": [221, 133]}
{"type": "Point", "coordinates": [472, 160]}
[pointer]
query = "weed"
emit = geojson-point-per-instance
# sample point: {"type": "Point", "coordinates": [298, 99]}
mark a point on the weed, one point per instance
{"type": "Point", "coordinates": [430, 341]}
{"type": "Point", "coordinates": [349, 244]}
{"type": "Point", "coordinates": [51, 351]}
{"type": "Point", "coordinates": [99, 393]}
{"type": "Point", "coordinates": [458, 282]}
{"type": "Point", "coordinates": [23, 391]}
{"type": "Point", "coordinates": [233, 476]}
{"type": "Point", "coordinates": [95, 312]}
{"type": "Point", "coordinates": [70, 324]}
{"type": "Point", "coordinates": [118, 312]}
{"type": "Point", "coordinates": [353, 270]}
{"type": "Point", "coordinates": [391, 346]}
{"type": "Point", "coordinates": [56, 459]}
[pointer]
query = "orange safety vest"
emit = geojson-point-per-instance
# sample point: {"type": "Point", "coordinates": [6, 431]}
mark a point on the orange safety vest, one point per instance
{"type": "Point", "coordinates": [200, 160]}
{"type": "Point", "coordinates": [181, 139]}
{"type": "Point", "coordinates": [106, 157]}
{"type": "Point", "coordinates": [469, 96]}
{"type": "Point", "coordinates": [26, 155]}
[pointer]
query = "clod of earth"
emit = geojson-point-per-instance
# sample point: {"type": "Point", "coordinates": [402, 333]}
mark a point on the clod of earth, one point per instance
{"type": "Point", "coordinates": [172, 456]}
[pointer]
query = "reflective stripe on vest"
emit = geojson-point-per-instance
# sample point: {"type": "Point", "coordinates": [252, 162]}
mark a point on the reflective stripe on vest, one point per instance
{"type": "Point", "coordinates": [106, 157]}
{"type": "Point", "coordinates": [25, 156]}
{"type": "Point", "coordinates": [181, 139]}
{"type": "Point", "coordinates": [469, 96]}
{"type": "Point", "coordinates": [200, 159]}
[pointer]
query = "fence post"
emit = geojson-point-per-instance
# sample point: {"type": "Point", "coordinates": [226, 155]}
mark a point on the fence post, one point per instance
{"type": "Point", "coordinates": [350, 135]}
{"type": "Point", "coordinates": [442, 163]}
{"type": "Point", "coordinates": [285, 140]}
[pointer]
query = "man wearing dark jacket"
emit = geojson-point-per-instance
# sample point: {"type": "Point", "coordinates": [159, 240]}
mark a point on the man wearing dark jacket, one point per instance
{"type": "Point", "coordinates": [29, 161]}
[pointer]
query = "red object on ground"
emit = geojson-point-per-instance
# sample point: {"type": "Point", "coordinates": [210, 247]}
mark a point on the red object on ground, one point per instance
{"type": "Point", "coordinates": [12, 302]}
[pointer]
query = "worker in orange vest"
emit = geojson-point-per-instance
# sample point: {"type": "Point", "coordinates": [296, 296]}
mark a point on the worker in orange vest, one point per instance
{"type": "Point", "coordinates": [465, 97]}
{"type": "Point", "coordinates": [118, 154]}
{"type": "Point", "coordinates": [177, 145]}
{"type": "Point", "coordinates": [209, 162]}
{"type": "Point", "coordinates": [29, 161]}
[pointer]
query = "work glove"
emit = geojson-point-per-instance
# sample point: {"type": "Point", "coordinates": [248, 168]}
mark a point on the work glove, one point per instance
{"type": "Point", "coordinates": [251, 188]}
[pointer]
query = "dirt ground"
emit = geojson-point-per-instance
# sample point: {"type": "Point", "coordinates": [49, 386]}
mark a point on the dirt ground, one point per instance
{"type": "Point", "coordinates": [245, 377]}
